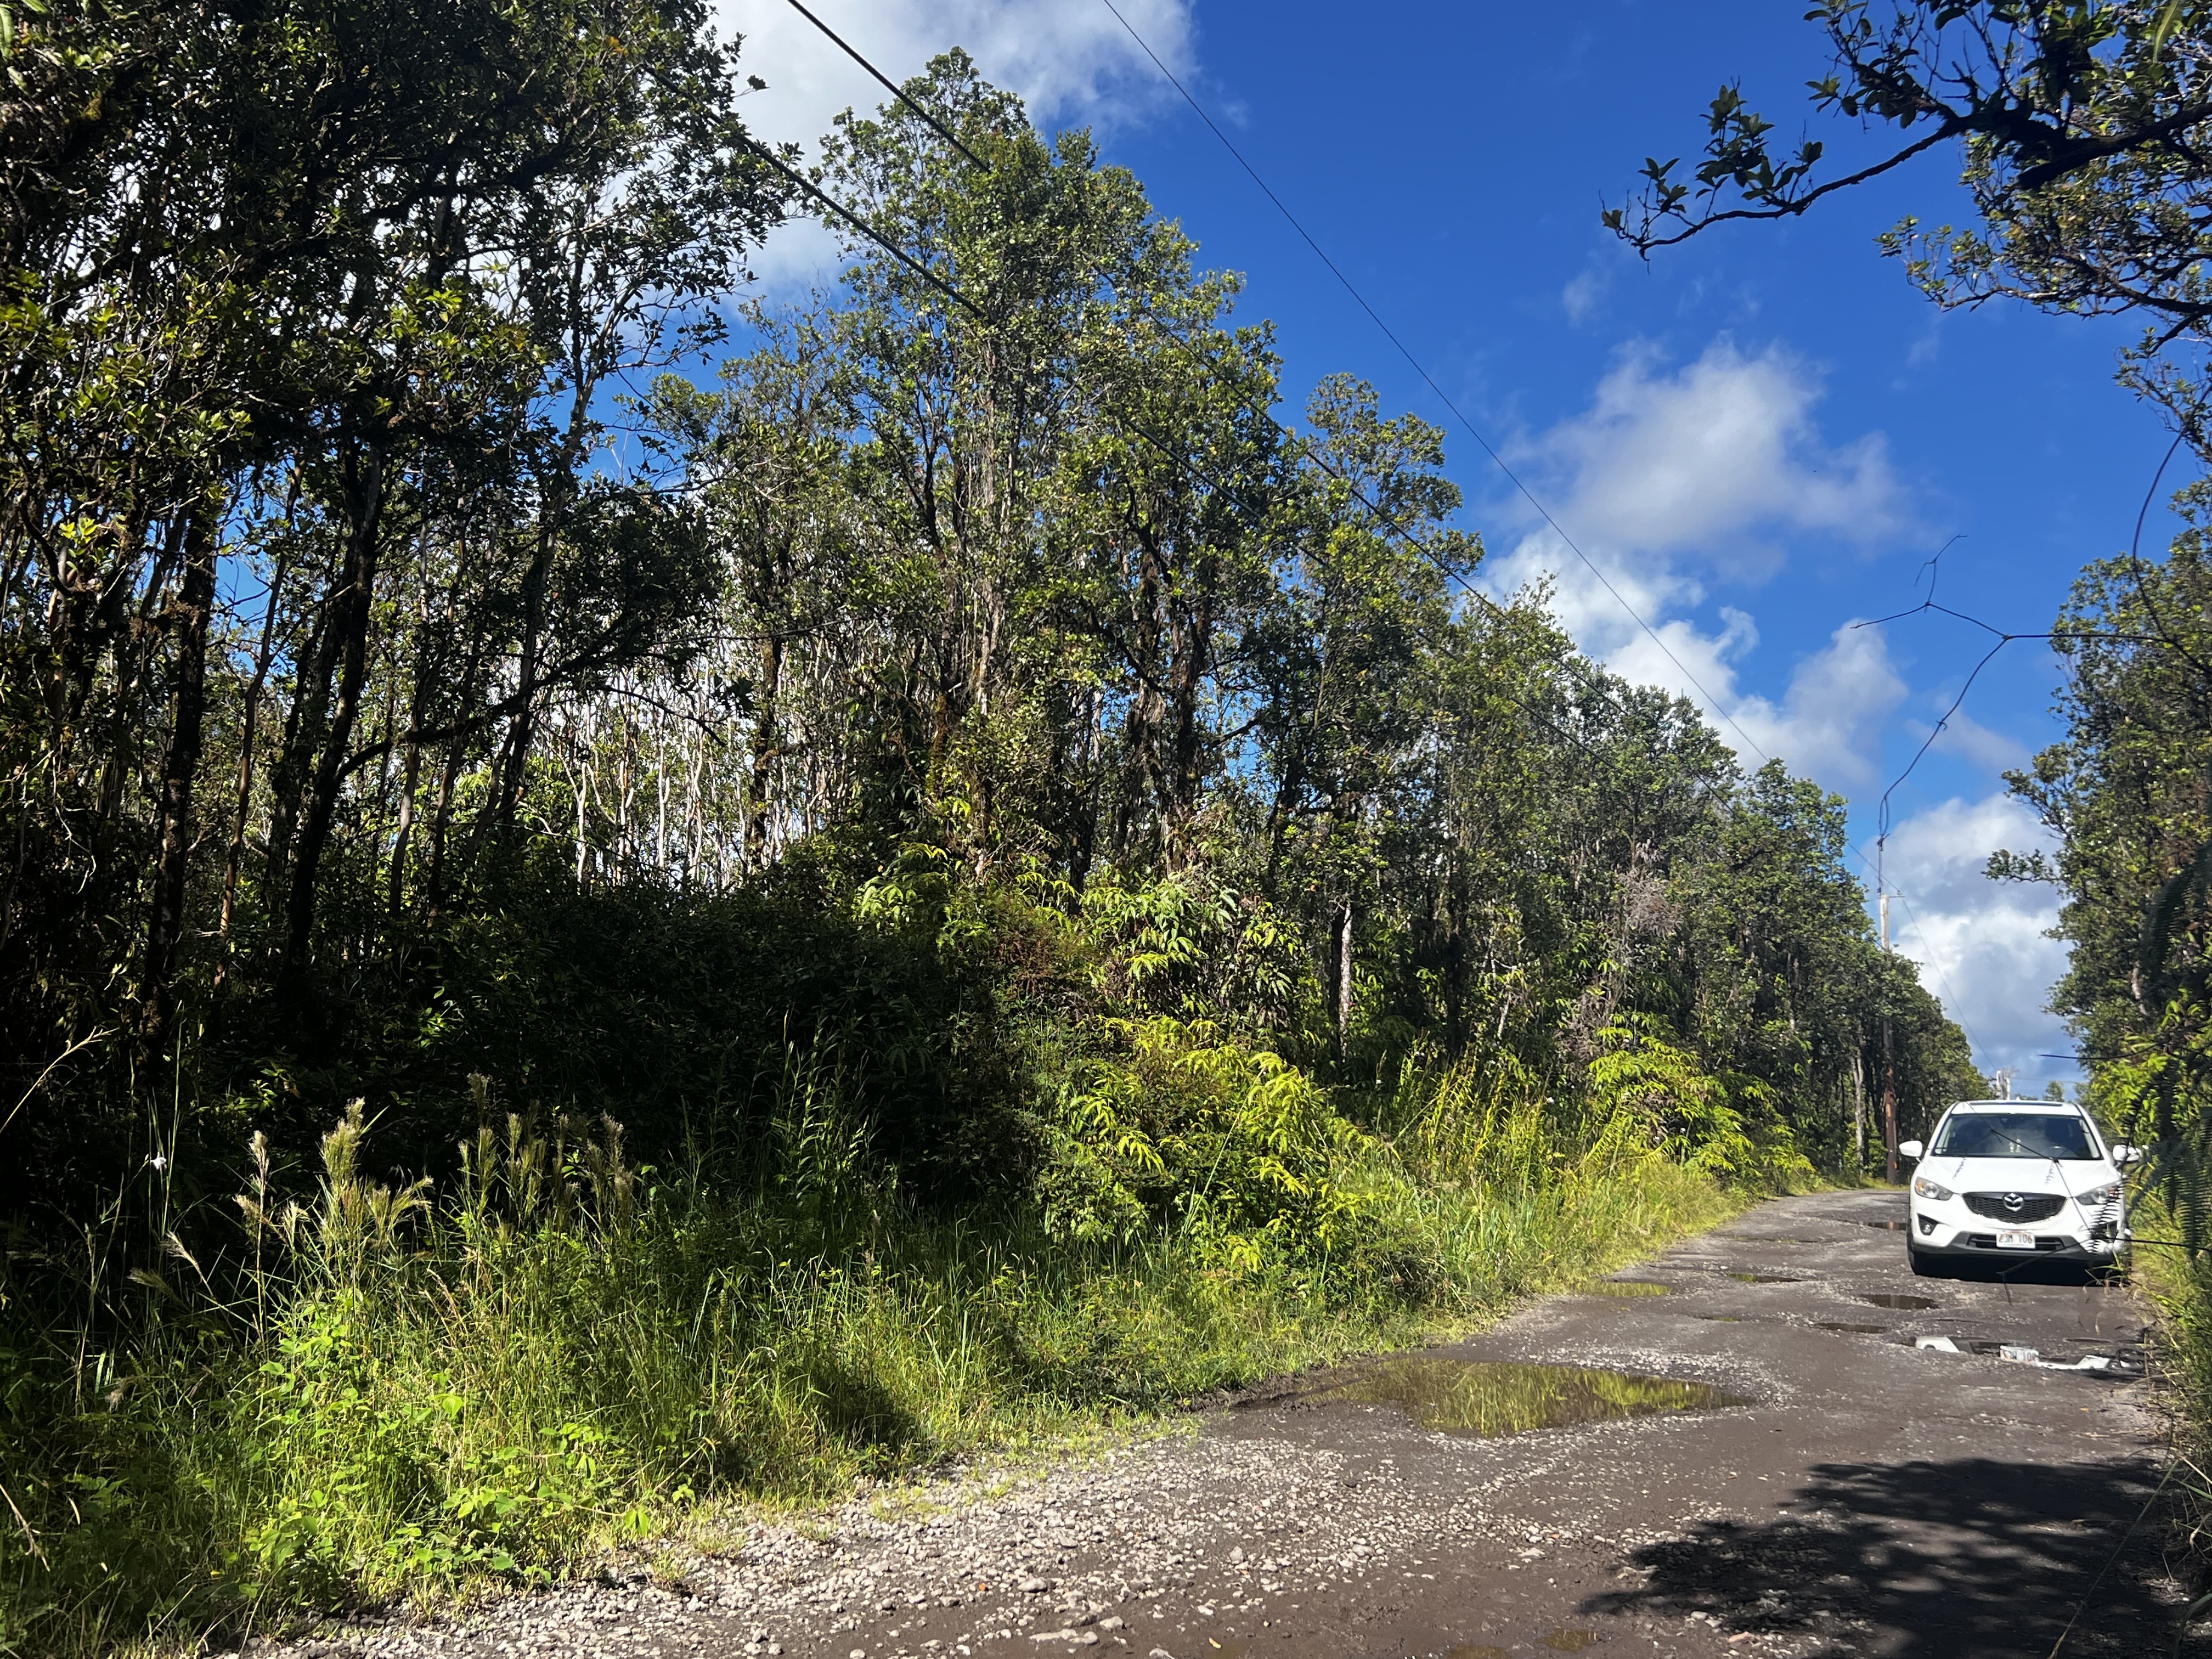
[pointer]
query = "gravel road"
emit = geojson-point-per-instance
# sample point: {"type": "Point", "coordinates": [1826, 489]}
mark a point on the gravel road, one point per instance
{"type": "Point", "coordinates": [1866, 1496]}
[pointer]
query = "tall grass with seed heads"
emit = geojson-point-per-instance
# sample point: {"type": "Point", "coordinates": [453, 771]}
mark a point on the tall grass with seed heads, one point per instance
{"type": "Point", "coordinates": [402, 1388]}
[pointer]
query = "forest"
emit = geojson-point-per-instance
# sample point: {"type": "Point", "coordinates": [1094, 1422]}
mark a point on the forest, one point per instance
{"type": "Point", "coordinates": [619, 892]}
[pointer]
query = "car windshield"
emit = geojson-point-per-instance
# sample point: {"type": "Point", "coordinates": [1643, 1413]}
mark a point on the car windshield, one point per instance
{"type": "Point", "coordinates": [2015, 1135]}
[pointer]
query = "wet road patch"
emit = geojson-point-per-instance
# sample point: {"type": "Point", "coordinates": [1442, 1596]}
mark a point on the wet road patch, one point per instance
{"type": "Point", "coordinates": [1767, 1278]}
{"type": "Point", "coordinates": [1885, 1299]}
{"type": "Point", "coordinates": [1480, 1399]}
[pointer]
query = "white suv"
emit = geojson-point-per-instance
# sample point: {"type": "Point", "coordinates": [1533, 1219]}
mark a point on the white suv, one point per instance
{"type": "Point", "coordinates": [2012, 1180]}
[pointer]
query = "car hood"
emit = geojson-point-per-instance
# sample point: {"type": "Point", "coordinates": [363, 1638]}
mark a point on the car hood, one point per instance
{"type": "Point", "coordinates": [2018, 1175]}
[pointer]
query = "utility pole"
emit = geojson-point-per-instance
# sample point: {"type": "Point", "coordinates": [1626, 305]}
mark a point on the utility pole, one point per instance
{"type": "Point", "coordinates": [1888, 1053]}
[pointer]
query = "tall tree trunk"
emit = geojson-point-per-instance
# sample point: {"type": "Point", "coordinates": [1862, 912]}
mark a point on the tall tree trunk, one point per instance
{"type": "Point", "coordinates": [1193, 644]}
{"type": "Point", "coordinates": [766, 748]}
{"type": "Point", "coordinates": [1858, 1105]}
{"type": "Point", "coordinates": [1343, 976]}
{"type": "Point", "coordinates": [351, 607]}
{"type": "Point", "coordinates": [521, 731]}
{"type": "Point", "coordinates": [248, 725]}
{"type": "Point", "coordinates": [395, 896]}
{"type": "Point", "coordinates": [180, 771]}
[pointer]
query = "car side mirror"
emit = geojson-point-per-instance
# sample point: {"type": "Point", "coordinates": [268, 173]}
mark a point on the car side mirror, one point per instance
{"type": "Point", "coordinates": [2126, 1156]}
{"type": "Point", "coordinates": [1911, 1149]}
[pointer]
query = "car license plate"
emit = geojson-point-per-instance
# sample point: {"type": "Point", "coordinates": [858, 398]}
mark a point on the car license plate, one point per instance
{"type": "Point", "coordinates": [2015, 1240]}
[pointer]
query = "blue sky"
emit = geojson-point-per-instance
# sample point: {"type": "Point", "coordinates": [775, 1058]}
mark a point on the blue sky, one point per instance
{"type": "Point", "coordinates": [1761, 437]}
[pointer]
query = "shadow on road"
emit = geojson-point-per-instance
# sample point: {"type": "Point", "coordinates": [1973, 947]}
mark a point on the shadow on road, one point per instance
{"type": "Point", "coordinates": [2033, 1271]}
{"type": "Point", "coordinates": [1932, 1561]}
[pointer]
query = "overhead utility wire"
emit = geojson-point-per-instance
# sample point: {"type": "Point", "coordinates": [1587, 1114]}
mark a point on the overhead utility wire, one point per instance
{"type": "Point", "coordinates": [891, 87]}
{"type": "Point", "coordinates": [861, 225]}
{"type": "Point", "coordinates": [1935, 569]}
{"type": "Point", "coordinates": [1512, 477]}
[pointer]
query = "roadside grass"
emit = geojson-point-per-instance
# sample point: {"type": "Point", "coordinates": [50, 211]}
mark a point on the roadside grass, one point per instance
{"type": "Point", "coordinates": [406, 1391]}
{"type": "Point", "coordinates": [2177, 1282]}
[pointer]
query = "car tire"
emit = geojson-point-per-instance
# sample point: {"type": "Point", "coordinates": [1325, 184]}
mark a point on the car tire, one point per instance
{"type": "Point", "coordinates": [1925, 1266]}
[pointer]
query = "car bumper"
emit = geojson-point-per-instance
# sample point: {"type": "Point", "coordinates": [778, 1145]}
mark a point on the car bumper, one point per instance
{"type": "Point", "coordinates": [1976, 1236]}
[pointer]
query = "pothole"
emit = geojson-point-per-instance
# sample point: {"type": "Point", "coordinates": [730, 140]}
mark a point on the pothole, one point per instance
{"type": "Point", "coordinates": [1856, 1330]}
{"type": "Point", "coordinates": [1484, 1398]}
{"type": "Point", "coordinates": [1890, 1299]}
{"type": "Point", "coordinates": [1765, 1279]}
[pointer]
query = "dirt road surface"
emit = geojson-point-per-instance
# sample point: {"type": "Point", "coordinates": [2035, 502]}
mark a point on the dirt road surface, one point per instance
{"type": "Point", "coordinates": [1866, 1497]}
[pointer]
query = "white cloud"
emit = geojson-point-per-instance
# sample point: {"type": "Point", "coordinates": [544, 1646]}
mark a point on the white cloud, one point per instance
{"type": "Point", "coordinates": [1980, 942]}
{"type": "Point", "coordinates": [1671, 479]}
{"type": "Point", "coordinates": [1710, 458]}
{"type": "Point", "coordinates": [1070, 62]}
{"type": "Point", "coordinates": [1584, 292]}
{"type": "Point", "coordinates": [1829, 725]}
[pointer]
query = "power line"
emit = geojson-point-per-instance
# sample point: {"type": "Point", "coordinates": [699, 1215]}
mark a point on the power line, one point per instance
{"type": "Point", "coordinates": [891, 87]}
{"type": "Point", "coordinates": [2002, 639]}
{"type": "Point", "coordinates": [1443, 397]}
{"type": "Point", "coordinates": [861, 225]}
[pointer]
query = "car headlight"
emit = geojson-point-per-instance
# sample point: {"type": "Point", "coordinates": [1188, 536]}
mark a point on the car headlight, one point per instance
{"type": "Point", "coordinates": [1927, 1188]}
{"type": "Point", "coordinates": [2097, 1197]}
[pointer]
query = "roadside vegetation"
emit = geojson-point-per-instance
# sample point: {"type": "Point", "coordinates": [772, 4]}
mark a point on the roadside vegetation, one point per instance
{"type": "Point", "coordinates": [614, 898]}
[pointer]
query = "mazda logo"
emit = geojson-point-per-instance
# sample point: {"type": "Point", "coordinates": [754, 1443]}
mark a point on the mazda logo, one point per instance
{"type": "Point", "coordinates": [2013, 1201]}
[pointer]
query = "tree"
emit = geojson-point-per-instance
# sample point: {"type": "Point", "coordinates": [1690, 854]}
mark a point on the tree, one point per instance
{"type": "Point", "coordinates": [2083, 130]}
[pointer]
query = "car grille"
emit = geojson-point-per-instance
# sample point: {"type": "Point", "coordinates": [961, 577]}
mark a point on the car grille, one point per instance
{"type": "Point", "coordinates": [2015, 1206]}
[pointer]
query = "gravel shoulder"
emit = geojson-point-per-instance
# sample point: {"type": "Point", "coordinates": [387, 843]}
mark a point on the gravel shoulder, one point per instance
{"type": "Point", "coordinates": [1869, 1496]}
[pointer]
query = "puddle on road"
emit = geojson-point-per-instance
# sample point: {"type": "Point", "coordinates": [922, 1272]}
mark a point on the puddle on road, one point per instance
{"type": "Point", "coordinates": [1766, 1238]}
{"type": "Point", "coordinates": [1885, 1227]}
{"type": "Point", "coordinates": [1765, 1279]}
{"type": "Point", "coordinates": [1482, 1399]}
{"type": "Point", "coordinates": [1570, 1641]}
{"type": "Point", "coordinates": [1856, 1330]}
{"type": "Point", "coordinates": [1718, 1319]}
{"type": "Point", "coordinates": [1629, 1287]}
{"type": "Point", "coordinates": [1886, 1299]}
{"type": "Point", "coordinates": [1477, 1650]}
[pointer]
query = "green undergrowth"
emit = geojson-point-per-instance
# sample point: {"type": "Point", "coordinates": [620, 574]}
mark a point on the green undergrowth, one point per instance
{"type": "Point", "coordinates": [402, 1388]}
{"type": "Point", "coordinates": [2172, 1267]}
